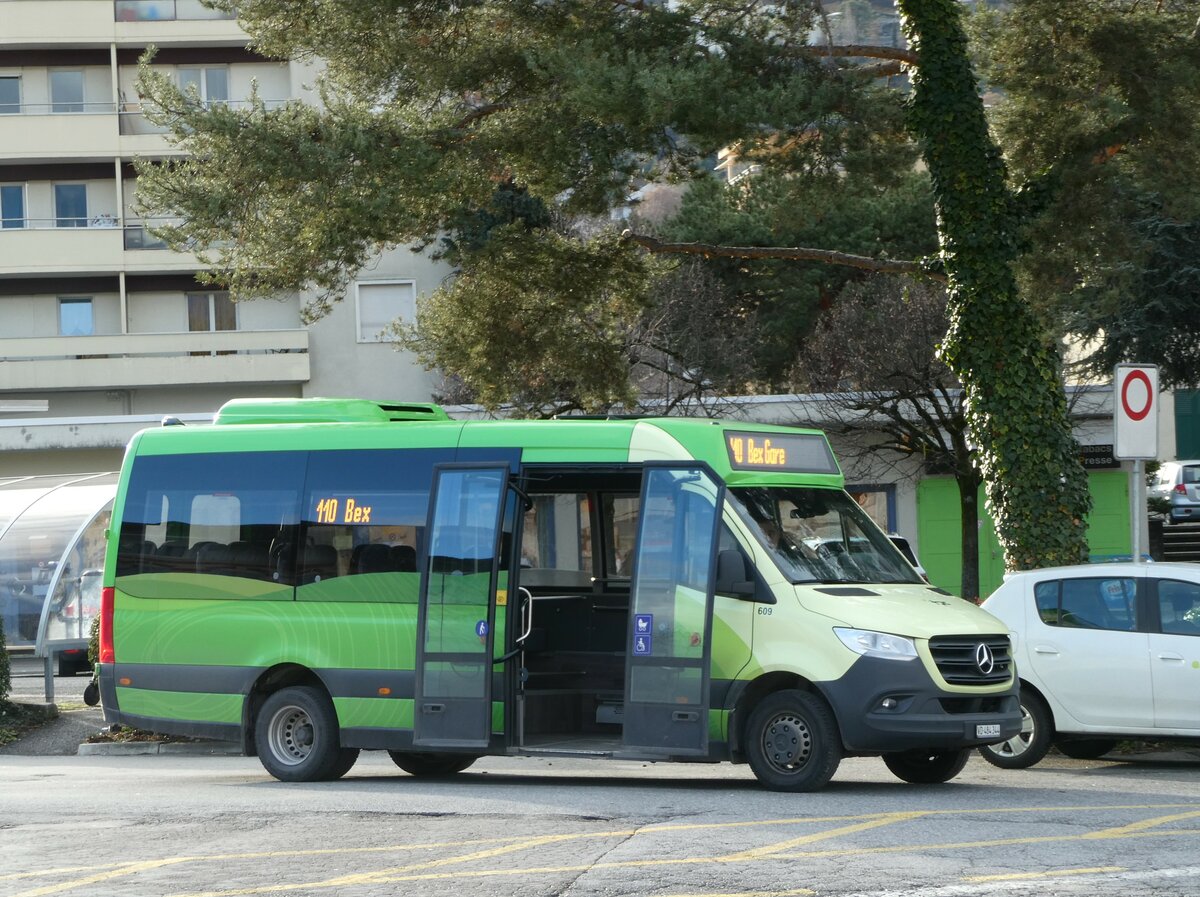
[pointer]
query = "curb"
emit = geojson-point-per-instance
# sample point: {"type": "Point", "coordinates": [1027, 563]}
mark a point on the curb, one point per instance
{"type": "Point", "coordinates": [142, 748]}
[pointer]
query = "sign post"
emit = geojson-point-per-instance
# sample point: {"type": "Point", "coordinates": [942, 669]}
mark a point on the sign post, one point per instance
{"type": "Point", "coordinates": [1135, 425]}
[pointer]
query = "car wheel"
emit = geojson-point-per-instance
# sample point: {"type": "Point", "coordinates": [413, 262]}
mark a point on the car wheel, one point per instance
{"type": "Point", "coordinates": [1029, 745]}
{"type": "Point", "coordinates": [927, 767]}
{"type": "Point", "coordinates": [296, 735]}
{"type": "Point", "coordinates": [1086, 748]}
{"type": "Point", "coordinates": [792, 742]}
{"type": "Point", "coordinates": [431, 766]}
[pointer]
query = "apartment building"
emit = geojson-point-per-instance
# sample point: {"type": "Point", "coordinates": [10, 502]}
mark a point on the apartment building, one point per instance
{"type": "Point", "coordinates": [102, 329]}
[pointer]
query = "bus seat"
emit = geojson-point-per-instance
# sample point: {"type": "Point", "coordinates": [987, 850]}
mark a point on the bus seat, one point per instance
{"type": "Point", "coordinates": [249, 559]}
{"type": "Point", "coordinates": [373, 557]}
{"type": "Point", "coordinates": [318, 562]}
{"type": "Point", "coordinates": [214, 558]}
{"type": "Point", "coordinates": [404, 558]}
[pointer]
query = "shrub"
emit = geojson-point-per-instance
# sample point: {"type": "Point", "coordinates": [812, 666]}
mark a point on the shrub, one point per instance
{"type": "Point", "coordinates": [5, 672]}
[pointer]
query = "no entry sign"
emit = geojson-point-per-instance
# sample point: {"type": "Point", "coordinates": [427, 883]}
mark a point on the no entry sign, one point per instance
{"type": "Point", "coordinates": [1135, 412]}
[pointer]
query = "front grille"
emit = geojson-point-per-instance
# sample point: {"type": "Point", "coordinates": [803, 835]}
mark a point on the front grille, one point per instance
{"type": "Point", "coordinates": [956, 658]}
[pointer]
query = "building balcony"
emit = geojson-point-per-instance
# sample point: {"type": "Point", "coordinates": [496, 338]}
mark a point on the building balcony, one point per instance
{"type": "Point", "coordinates": [38, 23]}
{"type": "Point", "coordinates": [61, 245]}
{"type": "Point", "coordinates": [144, 252]}
{"type": "Point", "coordinates": [164, 21]}
{"type": "Point", "coordinates": [48, 23]}
{"type": "Point", "coordinates": [132, 360]}
{"type": "Point", "coordinates": [85, 131]}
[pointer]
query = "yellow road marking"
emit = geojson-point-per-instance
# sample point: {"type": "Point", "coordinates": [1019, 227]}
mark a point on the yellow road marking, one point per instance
{"type": "Point", "coordinates": [999, 842]}
{"type": "Point", "coordinates": [1056, 873]}
{"type": "Point", "coordinates": [872, 820]}
{"type": "Point", "coordinates": [1141, 825]}
{"type": "Point", "coordinates": [770, 849]}
{"type": "Point", "coordinates": [129, 869]}
{"type": "Point", "coordinates": [798, 892]}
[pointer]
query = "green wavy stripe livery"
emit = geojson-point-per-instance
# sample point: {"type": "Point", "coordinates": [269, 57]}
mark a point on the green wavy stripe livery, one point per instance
{"type": "Point", "coordinates": [193, 706]}
{"type": "Point", "coordinates": [374, 713]}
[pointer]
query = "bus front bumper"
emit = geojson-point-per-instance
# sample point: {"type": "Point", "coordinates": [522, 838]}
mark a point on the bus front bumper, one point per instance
{"type": "Point", "coordinates": [884, 706]}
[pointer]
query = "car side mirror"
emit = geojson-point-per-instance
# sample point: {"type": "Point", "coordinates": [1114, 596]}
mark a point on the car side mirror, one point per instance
{"type": "Point", "coordinates": [732, 576]}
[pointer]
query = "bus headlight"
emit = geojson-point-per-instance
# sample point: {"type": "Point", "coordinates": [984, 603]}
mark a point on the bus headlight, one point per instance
{"type": "Point", "coordinates": [877, 644]}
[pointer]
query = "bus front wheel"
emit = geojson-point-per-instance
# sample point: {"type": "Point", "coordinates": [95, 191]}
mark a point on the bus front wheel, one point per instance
{"type": "Point", "coordinates": [792, 742]}
{"type": "Point", "coordinates": [297, 736]}
{"type": "Point", "coordinates": [425, 765]}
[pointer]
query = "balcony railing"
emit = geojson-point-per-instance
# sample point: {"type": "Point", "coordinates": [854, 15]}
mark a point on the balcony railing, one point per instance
{"type": "Point", "coordinates": [165, 11]}
{"type": "Point", "coordinates": [134, 359]}
{"type": "Point", "coordinates": [59, 108]}
{"type": "Point", "coordinates": [104, 220]}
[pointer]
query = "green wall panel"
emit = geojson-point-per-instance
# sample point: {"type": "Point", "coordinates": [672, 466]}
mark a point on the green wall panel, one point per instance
{"type": "Point", "coordinates": [939, 525]}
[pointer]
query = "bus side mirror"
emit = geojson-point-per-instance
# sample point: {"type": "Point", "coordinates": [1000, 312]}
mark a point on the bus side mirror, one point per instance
{"type": "Point", "coordinates": [732, 576]}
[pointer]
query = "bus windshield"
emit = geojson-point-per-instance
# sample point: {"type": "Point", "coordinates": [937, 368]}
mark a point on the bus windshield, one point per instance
{"type": "Point", "coordinates": [820, 535]}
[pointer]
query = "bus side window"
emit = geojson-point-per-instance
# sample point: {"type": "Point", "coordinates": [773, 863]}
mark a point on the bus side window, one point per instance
{"type": "Point", "coordinates": [363, 514]}
{"type": "Point", "coordinates": [216, 514]}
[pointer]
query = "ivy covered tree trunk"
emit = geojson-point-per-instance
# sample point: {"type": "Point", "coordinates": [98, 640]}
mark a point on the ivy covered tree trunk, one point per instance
{"type": "Point", "coordinates": [1016, 410]}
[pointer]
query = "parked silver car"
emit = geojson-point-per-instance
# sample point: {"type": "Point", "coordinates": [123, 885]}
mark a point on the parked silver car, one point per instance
{"type": "Point", "coordinates": [1179, 483]}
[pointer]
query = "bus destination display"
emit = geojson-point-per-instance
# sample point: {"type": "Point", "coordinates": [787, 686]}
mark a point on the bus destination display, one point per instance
{"type": "Point", "coordinates": [799, 453]}
{"type": "Point", "coordinates": [334, 510]}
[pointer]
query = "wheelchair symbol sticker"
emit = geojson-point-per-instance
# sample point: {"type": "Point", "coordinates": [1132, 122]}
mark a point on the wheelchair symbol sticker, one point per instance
{"type": "Point", "coordinates": [643, 645]}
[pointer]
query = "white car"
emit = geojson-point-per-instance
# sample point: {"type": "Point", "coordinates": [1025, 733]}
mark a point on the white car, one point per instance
{"type": "Point", "coordinates": [1104, 652]}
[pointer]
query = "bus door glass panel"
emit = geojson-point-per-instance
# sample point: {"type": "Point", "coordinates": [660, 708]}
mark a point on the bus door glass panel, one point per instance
{"type": "Point", "coordinates": [670, 618]}
{"type": "Point", "coordinates": [457, 608]}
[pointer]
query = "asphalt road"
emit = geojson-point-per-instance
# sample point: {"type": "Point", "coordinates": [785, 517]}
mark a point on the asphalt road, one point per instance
{"type": "Point", "coordinates": [219, 826]}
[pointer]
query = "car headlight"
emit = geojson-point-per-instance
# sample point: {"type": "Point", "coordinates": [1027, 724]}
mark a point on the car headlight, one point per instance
{"type": "Point", "coordinates": [877, 644]}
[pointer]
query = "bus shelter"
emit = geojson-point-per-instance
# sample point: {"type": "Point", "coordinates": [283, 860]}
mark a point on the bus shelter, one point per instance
{"type": "Point", "coordinates": [52, 542]}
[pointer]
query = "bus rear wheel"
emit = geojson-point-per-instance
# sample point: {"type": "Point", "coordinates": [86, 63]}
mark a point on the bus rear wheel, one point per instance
{"type": "Point", "coordinates": [927, 767]}
{"type": "Point", "coordinates": [428, 766]}
{"type": "Point", "coordinates": [792, 742]}
{"type": "Point", "coordinates": [297, 736]}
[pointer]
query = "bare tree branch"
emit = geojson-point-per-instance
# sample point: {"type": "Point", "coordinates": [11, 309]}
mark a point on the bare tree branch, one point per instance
{"type": "Point", "coordinates": [795, 253]}
{"type": "Point", "coordinates": [899, 54]}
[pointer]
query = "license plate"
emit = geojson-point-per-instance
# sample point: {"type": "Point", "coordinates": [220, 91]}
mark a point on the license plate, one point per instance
{"type": "Point", "coordinates": [987, 730]}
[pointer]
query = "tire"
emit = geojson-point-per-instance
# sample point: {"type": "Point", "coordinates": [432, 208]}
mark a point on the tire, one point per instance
{"type": "Point", "coordinates": [1086, 748]}
{"type": "Point", "coordinates": [347, 757]}
{"type": "Point", "coordinates": [792, 742]}
{"type": "Point", "coordinates": [1029, 745]}
{"type": "Point", "coordinates": [296, 734]}
{"type": "Point", "coordinates": [431, 766]}
{"type": "Point", "coordinates": [927, 767]}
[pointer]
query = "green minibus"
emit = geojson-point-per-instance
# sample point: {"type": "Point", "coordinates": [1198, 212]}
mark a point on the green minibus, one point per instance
{"type": "Point", "coordinates": [315, 577]}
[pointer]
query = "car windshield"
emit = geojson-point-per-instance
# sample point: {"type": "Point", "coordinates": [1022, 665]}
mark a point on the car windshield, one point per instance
{"type": "Point", "coordinates": [820, 535]}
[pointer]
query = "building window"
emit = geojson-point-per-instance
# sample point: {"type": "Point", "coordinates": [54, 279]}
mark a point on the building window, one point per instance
{"type": "Point", "coordinates": [211, 84]}
{"type": "Point", "coordinates": [380, 303]}
{"type": "Point", "coordinates": [211, 311]}
{"type": "Point", "coordinates": [10, 94]}
{"type": "Point", "coordinates": [12, 206]}
{"type": "Point", "coordinates": [66, 91]}
{"type": "Point", "coordinates": [70, 205]}
{"type": "Point", "coordinates": [75, 316]}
